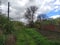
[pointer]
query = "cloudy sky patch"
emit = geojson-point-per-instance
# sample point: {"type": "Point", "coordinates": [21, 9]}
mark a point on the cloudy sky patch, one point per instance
{"type": "Point", "coordinates": [18, 7]}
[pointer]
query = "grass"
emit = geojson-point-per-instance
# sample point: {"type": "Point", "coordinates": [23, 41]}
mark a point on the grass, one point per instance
{"type": "Point", "coordinates": [29, 36]}
{"type": "Point", "coordinates": [2, 39]}
{"type": "Point", "coordinates": [25, 36]}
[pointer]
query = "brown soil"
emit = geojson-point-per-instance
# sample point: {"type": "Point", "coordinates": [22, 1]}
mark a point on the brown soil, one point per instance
{"type": "Point", "coordinates": [11, 40]}
{"type": "Point", "coordinates": [51, 35]}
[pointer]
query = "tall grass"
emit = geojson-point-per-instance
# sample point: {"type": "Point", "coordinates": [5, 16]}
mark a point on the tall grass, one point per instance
{"type": "Point", "coordinates": [24, 35]}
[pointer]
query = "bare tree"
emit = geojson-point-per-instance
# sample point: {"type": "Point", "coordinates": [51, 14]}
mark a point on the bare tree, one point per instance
{"type": "Point", "coordinates": [30, 14]}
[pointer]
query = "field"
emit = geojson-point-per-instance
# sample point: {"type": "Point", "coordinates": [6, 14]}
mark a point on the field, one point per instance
{"type": "Point", "coordinates": [15, 33]}
{"type": "Point", "coordinates": [30, 36]}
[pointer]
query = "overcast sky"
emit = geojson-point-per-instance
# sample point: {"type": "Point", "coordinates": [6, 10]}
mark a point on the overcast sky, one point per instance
{"type": "Point", "coordinates": [18, 7]}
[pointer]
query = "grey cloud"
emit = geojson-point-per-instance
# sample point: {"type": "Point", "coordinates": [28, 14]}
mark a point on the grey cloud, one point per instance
{"type": "Point", "coordinates": [17, 10]}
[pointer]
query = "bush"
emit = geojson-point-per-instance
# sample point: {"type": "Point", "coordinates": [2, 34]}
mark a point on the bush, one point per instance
{"type": "Point", "coordinates": [5, 24]}
{"type": "Point", "coordinates": [1, 40]}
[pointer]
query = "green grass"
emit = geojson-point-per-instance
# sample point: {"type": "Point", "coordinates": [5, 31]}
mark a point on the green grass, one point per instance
{"type": "Point", "coordinates": [2, 39]}
{"type": "Point", "coordinates": [39, 39]}
{"type": "Point", "coordinates": [25, 36]}
{"type": "Point", "coordinates": [28, 36]}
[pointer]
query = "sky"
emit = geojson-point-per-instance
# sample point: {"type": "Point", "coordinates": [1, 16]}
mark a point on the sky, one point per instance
{"type": "Point", "coordinates": [18, 7]}
{"type": "Point", "coordinates": [54, 14]}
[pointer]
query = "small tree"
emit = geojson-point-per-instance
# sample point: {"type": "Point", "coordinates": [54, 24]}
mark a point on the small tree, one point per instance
{"type": "Point", "coordinates": [30, 15]}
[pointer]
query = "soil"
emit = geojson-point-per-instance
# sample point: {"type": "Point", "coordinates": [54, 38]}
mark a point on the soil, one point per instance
{"type": "Point", "coordinates": [11, 40]}
{"type": "Point", "coordinates": [51, 35]}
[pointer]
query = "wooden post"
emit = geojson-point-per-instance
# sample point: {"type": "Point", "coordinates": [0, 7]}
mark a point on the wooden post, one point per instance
{"type": "Point", "coordinates": [8, 10]}
{"type": "Point", "coordinates": [0, 8]}
{"type": "Point", "coordinates": [8, 28]}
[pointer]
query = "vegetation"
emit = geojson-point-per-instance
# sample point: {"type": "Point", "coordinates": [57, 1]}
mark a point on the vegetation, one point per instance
{"type": "Point", "coordinates": [16, 31]}
{"type": "Point", "coordinates": [29, 15]}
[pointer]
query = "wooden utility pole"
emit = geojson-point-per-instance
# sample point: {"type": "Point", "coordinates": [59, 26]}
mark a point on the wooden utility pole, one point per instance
{"type": "Point", "coordinates": [8, 28]}
{"type": "Point", "coordinates": [0, 8]}
{"type": "Point", "coordinates": [8, 10]}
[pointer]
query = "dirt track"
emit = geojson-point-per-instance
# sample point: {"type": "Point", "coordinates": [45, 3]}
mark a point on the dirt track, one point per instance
{"type": "Point", "coordinates": [51, 35]}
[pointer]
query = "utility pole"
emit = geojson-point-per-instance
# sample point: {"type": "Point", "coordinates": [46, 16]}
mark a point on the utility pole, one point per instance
{"type": "Point", "coordinates": [8, 10]}
{"type": "Point", "coordinates": [0, 8]}
{"type": "Point", "coordinates": [8, 28]}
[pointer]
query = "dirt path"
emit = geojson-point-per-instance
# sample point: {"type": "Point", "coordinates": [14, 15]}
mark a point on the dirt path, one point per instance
{"type": "Point", "coordinates": [51, 35]}
{"type": "Point", "coordinates": [10, 40]}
